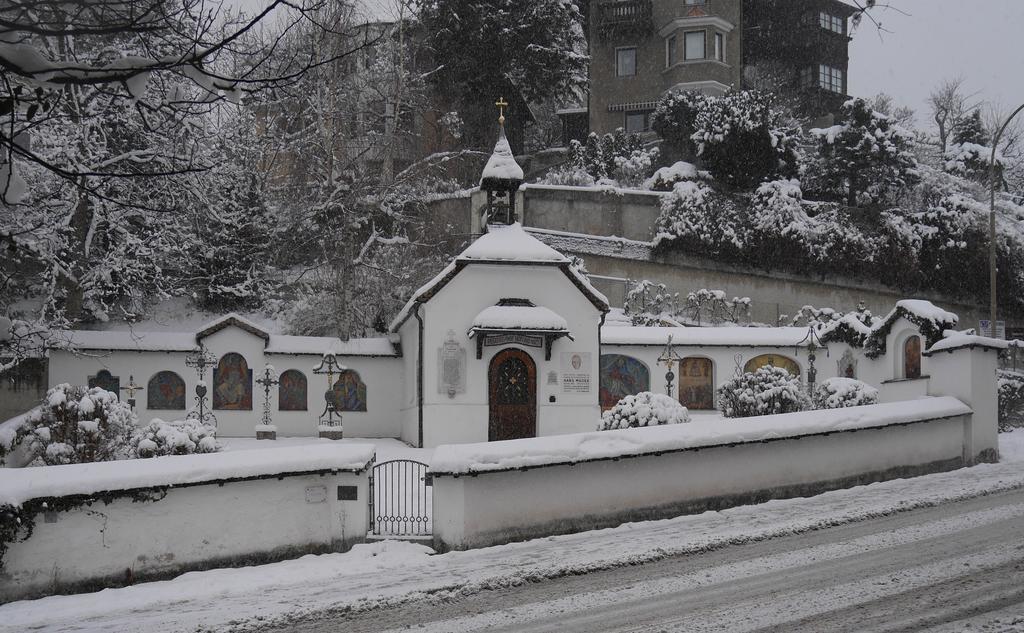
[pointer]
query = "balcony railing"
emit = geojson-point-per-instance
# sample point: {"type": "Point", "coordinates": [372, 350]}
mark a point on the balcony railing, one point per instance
{"type": "Point", "coordinates": [624, 17]}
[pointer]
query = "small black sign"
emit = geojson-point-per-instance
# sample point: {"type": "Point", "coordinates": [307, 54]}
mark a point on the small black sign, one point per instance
{"type": "Point", "coordinates": [348, 493]}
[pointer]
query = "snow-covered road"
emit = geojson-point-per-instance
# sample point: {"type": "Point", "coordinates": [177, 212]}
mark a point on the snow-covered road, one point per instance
{"type": "Point", "coordinates": [390, 574]}
{"type": "Point", "coordinates": [906, 572]}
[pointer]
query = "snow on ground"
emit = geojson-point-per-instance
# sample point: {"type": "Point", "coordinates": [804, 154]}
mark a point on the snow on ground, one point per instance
{"type": "Point", "coordinates": [393, 572]}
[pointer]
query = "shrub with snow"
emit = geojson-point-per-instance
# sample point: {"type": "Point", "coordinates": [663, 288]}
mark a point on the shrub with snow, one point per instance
{"type": "Point", "coordinates": [839, 393]}
{"type": "Point", "coordinates": [767, 391]}
{"type": "Point", "coordinates": [181, 437]}
{"type": "Point", "coordinates": [644, 409]}
{"type": "Point", "coordinates": [76, 425]}
{"type": "Point", "coordinates": [1011, 400]}
{"type": "Point", "coordinates": [665, 178]}
{"type": "Point", "coordinates": [617, 158]}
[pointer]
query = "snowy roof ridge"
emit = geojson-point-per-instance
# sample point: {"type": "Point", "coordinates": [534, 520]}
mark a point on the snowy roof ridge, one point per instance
{"type": "Point", "coordinates": [18, 485]}
{"type": "Point", "coordinates": [510, 243]}
{"type": "Point", "coordinates": [574, 448]}
{"type": "Point", "coordinates": [738, 336]}
{"type": "Point", "coordinates": [229, 319]}
{"type": "Point", "coordinates": [501, 167]}
{"type": "Point", "coordinates": [960, 340]}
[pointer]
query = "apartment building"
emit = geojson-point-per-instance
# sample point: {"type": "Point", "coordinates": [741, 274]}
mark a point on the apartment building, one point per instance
{"type": "Point", "coordinates": [640, 49]}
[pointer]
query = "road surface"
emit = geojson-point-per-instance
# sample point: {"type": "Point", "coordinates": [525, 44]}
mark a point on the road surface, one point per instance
{"type": "Point", "coordinates": [954, 567]}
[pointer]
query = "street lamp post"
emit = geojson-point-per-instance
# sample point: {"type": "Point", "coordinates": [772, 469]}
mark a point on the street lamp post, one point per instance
{"type": "Point", "coordinates": [992, 222]}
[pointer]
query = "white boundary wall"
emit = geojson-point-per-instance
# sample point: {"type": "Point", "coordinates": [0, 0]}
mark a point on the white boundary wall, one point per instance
{"type": "Point", "coordinates": [488, 495]}
{"type": "Point", "coordinates": [207, 511]}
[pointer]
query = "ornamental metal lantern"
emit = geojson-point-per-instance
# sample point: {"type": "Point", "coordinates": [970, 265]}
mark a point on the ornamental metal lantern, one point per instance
{"type": "Point", "coordinates": [814, 343]}
{"type": "Point", "coordinates": [669, 357]}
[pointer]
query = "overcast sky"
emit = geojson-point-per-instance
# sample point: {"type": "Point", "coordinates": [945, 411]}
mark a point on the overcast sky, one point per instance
{"type": "Point", "coordinates": [979, 40]}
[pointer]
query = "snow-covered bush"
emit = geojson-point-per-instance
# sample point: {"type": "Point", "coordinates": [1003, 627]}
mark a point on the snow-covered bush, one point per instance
{"type": "Point", "coordinates": [972, 161]}
{"type": "Point", "coordinates": [839, 393]}
{"type": "Point", "coordinates": [713, 306]}
{"type": "Point", "coordinates": [619, 156]}
{"type": "Point", "coordinates": [767, 391]}
{"type": "Point", "coordinates": [699, 219]}
{"type": "Point", "coordinates": [181, 437]}
{"type": "Point", "coordinates": [644, 409]}
{"type": "Point", "coordinates": [568, 175]}
{"type": "Point", "coordinates": [76, 425]}
{"type": "Point", "coordinates": [648, 303]}
{"type": "Point", "coordinates": [665, 178]}
{"type": "Point", "coordinates": [1011, 400]}
{"type": "Point", "coordinates": [739, 136]}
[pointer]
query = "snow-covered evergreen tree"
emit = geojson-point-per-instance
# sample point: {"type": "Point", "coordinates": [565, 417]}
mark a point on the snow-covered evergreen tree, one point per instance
{"type": "Point", "coordinates": [866, 156]}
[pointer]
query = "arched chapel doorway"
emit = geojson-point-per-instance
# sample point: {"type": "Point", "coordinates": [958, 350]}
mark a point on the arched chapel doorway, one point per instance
{"type": "Point", "coordinates": [512, 396]}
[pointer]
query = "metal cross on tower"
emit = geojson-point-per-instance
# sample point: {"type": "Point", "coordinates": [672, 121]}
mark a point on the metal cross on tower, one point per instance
{"type": "Point", "coordinates": [268, 380]}
{"type": "Point", "coordinates": [130, 389]}
{"type": "Point", "coordinates": [200, 360]}
{"type": "Point", "coordinates": [502, 104]}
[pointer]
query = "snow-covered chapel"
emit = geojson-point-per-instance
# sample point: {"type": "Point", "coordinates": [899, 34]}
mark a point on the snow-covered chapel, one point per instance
{"type": "Point", "coordinates": [510, 340]}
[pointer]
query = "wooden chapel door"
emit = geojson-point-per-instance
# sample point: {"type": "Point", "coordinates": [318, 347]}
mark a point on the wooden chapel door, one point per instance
{"type": "Point", "coordinates": [512, 391]}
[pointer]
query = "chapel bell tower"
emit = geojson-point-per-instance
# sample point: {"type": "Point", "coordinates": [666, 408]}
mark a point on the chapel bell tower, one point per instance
{"type": "Point", "coordinates": [501, 178]}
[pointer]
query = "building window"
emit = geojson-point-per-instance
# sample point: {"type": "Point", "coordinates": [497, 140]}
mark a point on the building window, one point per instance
{"type": "Point", "coordinates": [637, 122]}
{"type": "Point", "coordinates": [694, 45]}
{"type": "Point", "coordinates": [720, 47]}
{"type": "Point", "coordinates": [670, 51]}
{"type": "Point", "coordinates": [830, 78]}
{"type": "Point", "coordinates": [831, 22]}
{"type": "Point", "coordinates": [625, 62]}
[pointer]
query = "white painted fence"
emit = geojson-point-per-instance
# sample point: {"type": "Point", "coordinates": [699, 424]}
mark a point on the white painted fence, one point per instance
{"type": "Point", "coordinates": [120, 522]}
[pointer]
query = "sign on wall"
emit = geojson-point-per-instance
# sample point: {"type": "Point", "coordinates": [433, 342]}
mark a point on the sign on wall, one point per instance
{"type": "Point", "coordinates": [451, 367]}
{"type": "Point", "coordinates": [576, 372]}
{"type": "Point", "coordinates": [986, 328]}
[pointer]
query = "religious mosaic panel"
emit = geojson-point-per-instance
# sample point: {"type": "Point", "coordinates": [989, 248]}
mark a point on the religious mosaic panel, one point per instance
{"type": "Point", "coordinates": [291, 391]}
{"type": "Point", "coordinates": [104, 380]}
{"type": "Point", "coordinates": [847, 365]}
{"type": "Point", "coordinates": [912, 358]}
{"type": "Point", "coordinates": [165, 391]}
{"type": "Point", "coordinates": [774, 360]}
{"type": "Point", "coordinates": [348, 392]}
{"type": "Point", "coordinates": [621, 376]}
{"type": "Point", "coordinates": [232, 384]}
{"type": "Point", "coordinates": [696, 383]}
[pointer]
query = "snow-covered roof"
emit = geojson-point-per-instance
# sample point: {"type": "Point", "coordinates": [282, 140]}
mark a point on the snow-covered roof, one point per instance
{"type": "Point", "coordinates": [519, 317]}
{"type": "Point", "coordinates": [124, 340]}
{"type": "Point", "coordinates": [706, 336]}
{"type": "Point", "coordinates": [465, 459]}
{"type": "Point", "coordinates": [510, 243]}
{"type": "Point", "coordinates": [18, 485]}
{"type": "Point", "coordinates": [232, 319]}
{"type": "Point", "coordinates": [960, 340]}
{"type": "Point", "coordinates": [502, 165]}
{"type": "Point", "coordinates": [118, 340]}
{"type": "Point", "coordinates": [318, 345]}
{"type": "Point", "coordinates": [925, 310]}
{"type": "Point", "coordinates": [502, 245]}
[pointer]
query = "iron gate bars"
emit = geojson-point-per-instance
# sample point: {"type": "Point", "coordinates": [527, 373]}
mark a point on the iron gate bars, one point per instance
{"type": "Point", "coordinates": [400, 502]}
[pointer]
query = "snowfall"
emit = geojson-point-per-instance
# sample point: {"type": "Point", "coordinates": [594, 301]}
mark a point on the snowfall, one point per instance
{"type": "Point", "coordinates": [388, 573]}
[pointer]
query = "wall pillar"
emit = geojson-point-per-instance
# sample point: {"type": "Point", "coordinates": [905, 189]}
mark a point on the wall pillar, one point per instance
{"type": "Point", "coordinates": [968, 373]}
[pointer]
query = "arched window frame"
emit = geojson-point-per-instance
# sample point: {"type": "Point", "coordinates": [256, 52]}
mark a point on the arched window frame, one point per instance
{"type": "Point", "coordinates": [604, 404]}
{"type": "Point", "coordinates": [712, 383]}
{"type": "Point", "coordinates": [282, 400]}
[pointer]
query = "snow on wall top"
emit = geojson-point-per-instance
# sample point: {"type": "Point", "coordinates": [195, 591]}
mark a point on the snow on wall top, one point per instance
{"type": "Point", "coordinates": [18, 485]}
{"type": "Point", "coordinates": [510, 243]}
{"type": "Point", "coordinates": [318, 345]}
{"type": "Point", "coordinates": [519, 318]}
{"type": "Point", "coordinates": [712, 336]}
{"type": "Point", "coordinates": [463, 459]}
{"type": "Point", "coordinates": [502, 164]}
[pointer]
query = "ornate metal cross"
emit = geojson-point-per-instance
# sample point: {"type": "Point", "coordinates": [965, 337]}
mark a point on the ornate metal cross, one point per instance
{"type": "Point", "coordinates": [130, 389]}
{"type": "Point", "coordinates": [268, 380]}
{"type": "Point", "coordinates": [669, 357]}
{"type": "Point", "coordinates": [200, 360]}
{"type": "Point", "coordinates": [329, 366]}
{"type": "Point", "coordinates": [502, 104]}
